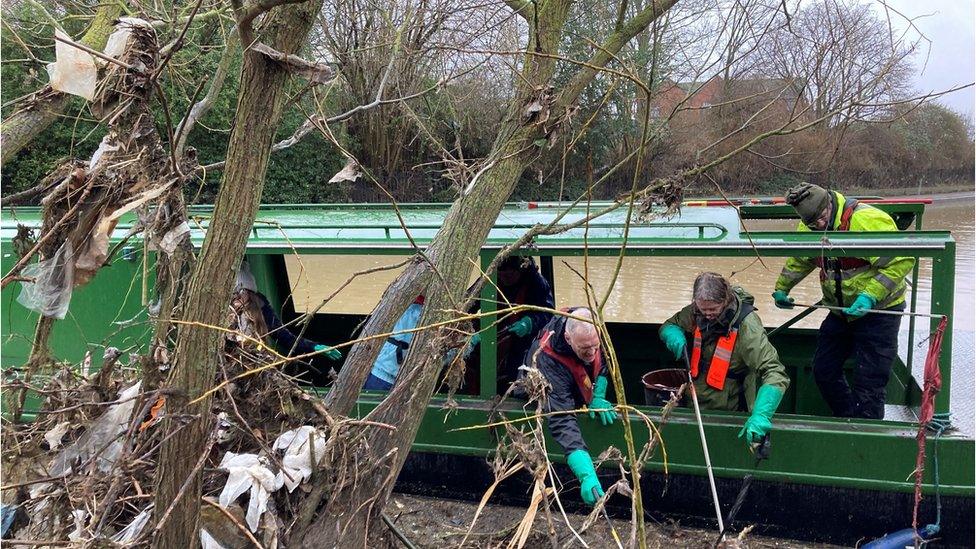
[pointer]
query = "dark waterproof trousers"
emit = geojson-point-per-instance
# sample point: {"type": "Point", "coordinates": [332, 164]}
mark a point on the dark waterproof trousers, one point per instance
{"type": "Point", "coordinates": [873, 340]}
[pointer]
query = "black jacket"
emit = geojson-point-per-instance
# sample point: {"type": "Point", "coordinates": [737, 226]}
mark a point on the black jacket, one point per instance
{"type": "Point", "coordinates": [284, 339]}
{"type": "Point", "coordinates": [565, 394]}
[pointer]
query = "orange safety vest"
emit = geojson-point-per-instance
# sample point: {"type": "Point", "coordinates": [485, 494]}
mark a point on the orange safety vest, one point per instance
{"type": "Point", "coordinates": [575, 366]}
{"type": "Point", "coordinates": [721, 358]}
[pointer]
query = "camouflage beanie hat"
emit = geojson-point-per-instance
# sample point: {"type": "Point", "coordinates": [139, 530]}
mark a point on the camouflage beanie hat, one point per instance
{"type": "Point", "coordinates": [808, 200]}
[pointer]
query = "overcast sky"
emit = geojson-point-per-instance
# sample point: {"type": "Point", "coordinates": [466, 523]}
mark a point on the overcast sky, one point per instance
{"type": "Point", "coordinates": [949, 25]}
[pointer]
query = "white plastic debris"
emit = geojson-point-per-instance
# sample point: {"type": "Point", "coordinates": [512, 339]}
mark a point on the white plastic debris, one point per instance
{"type": "Point", "coordinates": [350, 172]}
{"type": "Point", "coordinates": [74, 71]}
{"type": "Point", "coordinates": [208, 542]}
{"type": "Point", "coordinates": [54, 436]}
{"type": "Point", "coordinates": [78, 534]}
{"type": "Point", "coordinates": [298, 445]}
{"type": "Point", "coordinates": [248, 472]}
{"type": "Point", "coordinates": [103, 433]}
{"type": "Point", "coordinates": [104, 146]}
{"type": "Point", "coordinates": [132, 531]}
{"type": "Point", "coordinates": [53, 280]}
{"type": "Point", "coordinates": [119, 39]}
{"type": "Point", "coordinates": [172, 238]}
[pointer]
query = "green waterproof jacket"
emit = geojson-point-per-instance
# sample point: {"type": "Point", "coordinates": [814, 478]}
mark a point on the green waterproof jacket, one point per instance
{"type": "Point", "coordinates": [754, 363]}
{"type": "Point", "coordinates": [882, 278]}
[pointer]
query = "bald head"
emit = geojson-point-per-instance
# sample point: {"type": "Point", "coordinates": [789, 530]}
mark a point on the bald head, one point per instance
{"type": "Point", "coordinates": [583, 336]}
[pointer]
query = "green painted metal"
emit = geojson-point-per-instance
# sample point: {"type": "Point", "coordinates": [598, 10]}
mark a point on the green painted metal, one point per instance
{"type": "Point", "coordinates": [943, 280]}
{"type": "Point", "coordinates": [106, 311]}
{"type": "Point", "coordinates": [488, 382]}
{"type": "Point", "coordinates": [853, 454]}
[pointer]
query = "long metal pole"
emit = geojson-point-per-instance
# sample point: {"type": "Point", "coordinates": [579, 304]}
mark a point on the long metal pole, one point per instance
{"type": "Point", "coordinates": [878, 311]}
{"type": "Point", "coordinates": [704, 443]}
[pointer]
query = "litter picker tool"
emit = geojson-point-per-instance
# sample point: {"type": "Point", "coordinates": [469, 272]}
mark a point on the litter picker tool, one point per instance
{"type": "Point", "coordinates": [761, 451]}
{"type": "Point", "coordinates": [878, 311]}
{"type": "Point", "coordinates": [613, 531]}
{"type": "Point", "coordinates": [704, 443]}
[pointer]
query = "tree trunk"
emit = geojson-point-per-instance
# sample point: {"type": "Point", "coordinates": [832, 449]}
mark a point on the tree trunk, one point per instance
{"type": "Point", "coordinates": [259, 109]}
{"type": "Point", "coordinates": [347, 518]}
{"type": "Point", "coordinates": [22, 127]}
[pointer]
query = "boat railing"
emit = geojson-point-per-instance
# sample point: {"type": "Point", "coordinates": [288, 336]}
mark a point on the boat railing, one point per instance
{"type": "Point", "coordinates": [705, 231]}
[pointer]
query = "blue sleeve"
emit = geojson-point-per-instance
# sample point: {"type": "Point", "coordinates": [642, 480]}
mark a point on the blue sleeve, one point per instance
{"type": "Point", "coordinates": [386, 366]}
{"type": "Point", "coordinates": [408, 321]}
{"type": "Point", "coordinates": [283, 337]}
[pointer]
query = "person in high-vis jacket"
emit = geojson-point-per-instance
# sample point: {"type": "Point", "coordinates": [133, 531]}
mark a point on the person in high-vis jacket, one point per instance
{"type": "Point", "coordinates": [859, 285]}
{"type": "Point", "coordinates": [730, 355]}
{"type": "Point", "coordinates": [568, 353]}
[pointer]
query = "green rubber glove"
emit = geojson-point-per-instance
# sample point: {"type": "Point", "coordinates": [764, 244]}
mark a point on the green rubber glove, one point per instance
{"type": "Point", "coordinates": [582, 465]}
{"type": "Point", "coordinates": [600, 406]}
{"type": "Point", "coordinates": [783, 301]}
{"type": "Point", "coordinates": [860, 306]}
{"type": "Point", "coordinates": [521, 327]}
{"type": "Point", "coordinates": [674, 339]}
{"type": "Point", "coordinates": [330, 352]}
{"type": "Point", "coordinates": [761, 421]}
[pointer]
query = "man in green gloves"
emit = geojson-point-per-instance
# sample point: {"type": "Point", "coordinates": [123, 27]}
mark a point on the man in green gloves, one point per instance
{"type": "Point", "coordinates": [567, 352]}
{"type": "Point", "coordinates": [858, 284]}
{"type": "Point", "coordinates": [730, 355]}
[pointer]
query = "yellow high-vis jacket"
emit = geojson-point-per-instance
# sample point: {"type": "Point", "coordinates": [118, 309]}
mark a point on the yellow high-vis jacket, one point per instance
{"type": "Point", "coordinates": [844, 278]}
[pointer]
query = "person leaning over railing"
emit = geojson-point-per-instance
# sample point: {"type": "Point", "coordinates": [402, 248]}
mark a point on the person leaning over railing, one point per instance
{"type": "Point", "coordinates": [730, 354]}
{"type": "Point", "coordinates": [267, 323]}
{"type": "Point", "coordinates": [568, 354]}
{"type": "Point", "coordinates": [858, 283]}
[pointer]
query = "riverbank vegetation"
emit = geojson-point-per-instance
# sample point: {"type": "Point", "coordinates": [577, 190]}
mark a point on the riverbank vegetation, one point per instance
{"type": "Point", "coordinates": [890, 145]}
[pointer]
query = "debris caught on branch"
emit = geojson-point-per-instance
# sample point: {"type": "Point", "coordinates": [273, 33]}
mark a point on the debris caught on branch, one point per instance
{"type": "Point", "coordinates": [316, 73]}
{"type": "Point", "coordinates": [350, 172]}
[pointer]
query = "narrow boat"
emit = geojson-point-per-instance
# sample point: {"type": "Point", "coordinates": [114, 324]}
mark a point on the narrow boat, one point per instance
{"type": "Point", "coordinates": [827, 478]}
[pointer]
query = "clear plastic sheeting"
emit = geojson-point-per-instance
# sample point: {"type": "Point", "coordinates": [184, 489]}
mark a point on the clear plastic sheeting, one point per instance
{"type": "Point", "coordinates": [74, 71]}
{"type": "Point", "coordinates": [131, 532]}
{"type": "Point", "coordinates": [101, 441]}
{"type": "Point", "coordinates": [53, 279]}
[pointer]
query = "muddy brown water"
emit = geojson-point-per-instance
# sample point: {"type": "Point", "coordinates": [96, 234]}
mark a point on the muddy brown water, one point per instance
{"type": "Point", "coordinates": [652, 289]}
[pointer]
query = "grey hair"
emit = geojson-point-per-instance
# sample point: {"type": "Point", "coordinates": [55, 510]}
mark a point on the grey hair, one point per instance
{"type": "Point", "coordinates": [575, 327]}
{"type": "Point", "coordinates": [712, 287]}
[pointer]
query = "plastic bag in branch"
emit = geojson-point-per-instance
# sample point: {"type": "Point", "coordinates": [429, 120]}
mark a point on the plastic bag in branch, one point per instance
{"type": "Point", "coordinates": [50, 293]}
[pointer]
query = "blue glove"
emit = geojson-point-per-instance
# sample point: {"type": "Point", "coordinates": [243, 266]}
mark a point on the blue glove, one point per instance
{"type": "Point", "coordinates": [860, 306]}
{"type": "Point", "coordinates": [582, 465]}
{"type": "Point", "coordinates": [521, 327]}
{"type": "Point", "coordinates": [674, 339]}
{"type": "Point", "coordinates": [600, 406]}
{"type": "Point", "coordinates": [330, 352]}
{"type": "Point", "coordinates": [783, 301]}
{"type": "Point", "coordinates": [761, 421]}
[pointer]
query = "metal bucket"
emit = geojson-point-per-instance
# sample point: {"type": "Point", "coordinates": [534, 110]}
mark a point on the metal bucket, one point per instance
{"type": "Point", "coordinates": [661, 385]}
